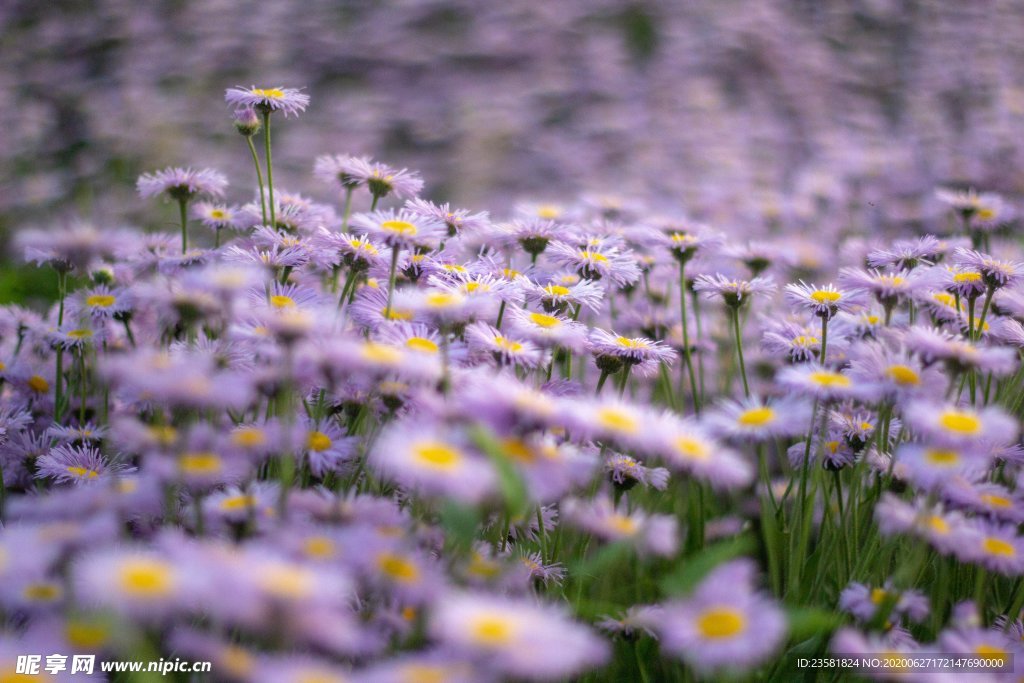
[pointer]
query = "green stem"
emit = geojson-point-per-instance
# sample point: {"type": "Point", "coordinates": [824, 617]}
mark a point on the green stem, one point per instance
{"type": "Point", "coordinates": [259, 177]}
{"type": "Point", "coordinates": [391, 280]}
{"type": "Point", "coordinates": [58, 397]}
{"type": "Point", "coordinates": [688, 361]}
{"type": "Point", "coordinates": [347, 211]}
{"type": "Point", "coordinates": [270, 166]}
{"type": "Point", "coordinates": [182, 206]}
{"type": "Point", "coordinates": [824, 340]}
{"type": "Point", "coordinates": [601, 381]}
{"type": "Point", "coordinates": [739, 349]}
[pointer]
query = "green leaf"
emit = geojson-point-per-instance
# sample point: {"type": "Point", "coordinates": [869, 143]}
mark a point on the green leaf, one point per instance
{"type": "Point", "coordinates": [513, 489]}
{"type": "Point", "coordinates": [807, 622]}
{"type": "Point", "coordinates": [460, 524]}
{"type": "Point", "coordinates": [690, 572]}
{"type": "Point", "coordinates": [603, 559]}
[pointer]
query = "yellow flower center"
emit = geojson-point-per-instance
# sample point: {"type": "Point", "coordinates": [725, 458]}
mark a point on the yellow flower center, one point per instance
{"type": "Point", "coordinates": [903, 374]}
{"type": "Point", "coordinates": [544, 320]}
{"type": "Point", "coordinates": [80, 334]}
{"type": "Point", "coordinates": [804, 340]}
{"type": "Point", "coordinates": [945, 298]}
{"type": "Point", "coordinates": [146, 578]}
{"type": "Point", "coordinates": [825, 296]}
{"type": "Point", "coordinates": [491, 630]}
{"type": "Point", "coordinates": [691, 449]}
{"type": "Point", "coordinates": [549, 211]}
{"type": "Point", "coordinates": [421, 344]}
{"type": "Point", "coordinates": [622, 524]}
{"type": "Point", "coordinates": [38, 384]}
{"type": "Point", "coordinates": [271, 93]}
{"type": "Point", "coordinates": [400, 228]}
{"type": "Point", "coordinates": [997, 546]}
{"type": "Point", "coordinates": [281, 301]}
{"type": "Point", "coordinates": [617, 420]}
{"type": "Point", "coordinates": [756, 417]}
{"type": "Point", "coordinates": [517, 449]}
{"type": "Point", "coordinates": [938, 524]}
{"type": "Point", "coordinates": [942, 458]}
{"type": "Point", "coordinates": [443, 299]}
{"type": "Point", "coordinates": [86, 635]}
{"type": "Point", "coordinates": [996, 501]}
{"type": "Point", "coordinates": [397, 568]}
{"type": "Point", "coordinates": [318, 441]}
{"type": "Point", "coordinates": [42, 592]}
{"type": "Point", "coordinates": [628, 343]}
{"type": "Point", "coordinates": [557, 290]}
{"type": "Point", "coordinates": [249, 437]}
{"type": "Point", "coordinates": [830, 379]}
{"type": "Point", "coordinates": [967, 277]}
{"type": "Point", "coordinates": [437, 455]}
{"type": "Point", "coordinates": [287, 580]}
{"type": "Point", "coordinates": [239, 502]}
{"type": "Point", "coordinates": [960, 422]}
{"type": "Point", "coordinates": [508, 344]}
{"type": "Point", "coordinates": [83, 472]}
{"type": "Point", "coordinates": [319, 547]}
{"type": "Point", "coordinates": [594, 256]}
{"type": "Point", "coordinates": [423, 673]}
{"type": "Point", "coordinates": [991, 652]}
{"type": "Point", "coordinates": [877, 595]}
{"type": "Point", "coordinates": [200, 463]}
{"type": "Point", "coordinates": [396, 314]}
{"type": "Point", "coordinates": [382, 354]}
{"type": "Point", "coordinates": [164, 435]}
{"type": "Point", "coordinates": [721, 622]}
{"type": "Point", "coordinates": [100, 301]}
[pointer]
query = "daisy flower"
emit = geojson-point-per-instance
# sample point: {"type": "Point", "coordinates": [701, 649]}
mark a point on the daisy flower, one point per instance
{"type": "Point", "coordinates": [889, 288]}
{"type": "Point", "coordinates": [626, 472]}
{"type": "Point", "coordinates": [930, 467]}
{"type": "Point", "coordinates": [725, 625]}
{"type": "Point", "coordinates": [945, 531]}
{"type": "Point", "coordinates": [650, 534]}
{"type": "Point", "coordinates": [995, 273]}
{"type": "Point", "coordinates": [401, 229]}
{"type": "Point", "coordinates": [685, 241]}
{"type": "Point", "coordinates": [347, 171]}
{"type": "Point", "coordinates": [67, 464]}
{"type": "Point", "coordinates": [688, 447]}
{"type": "Point", "coordinates": [433, 462]}
{"type": "Point", "coordinates": [759, 420]}
{"type": "Point", "coordinates": [824, 301]}
{"type": "Point", "coordinates": [488, 340]}
{"type": "Point", "coordinates": [996, 547]}
{"type": "Point", "coordinates": [733, 292]}
{"type": "Point", "coordinates": [644, 356]}
{"type": "Point", "coordinates": [907, 254]}
{"type": "Point", "coordinates": [969, 203]}
{"type": "Point", "coordinates": [596, 263]}
{"type": "Point", "coordinates": [217, 217]}
{"type": "Point", "coordinates": [960, 425]}
{"type": "Point", "coordinates": [182, 184]}
{"type": "Point", "coordinates": [560, 293]}
{"type": "Point", "coordinates": [458, 221]}
{"type": "Point", "coordinates": [548, 329]}
{"type": "Point", "coordinates": [265, 100]}
{"type": "Point", "coordinates": [519, 639]}
{"type": "Point", "coordinates": [813, 379]}
{"type": "Point", "coordinates": [862, 601]}
{"type": "Point", "coordinates": [143, 584]}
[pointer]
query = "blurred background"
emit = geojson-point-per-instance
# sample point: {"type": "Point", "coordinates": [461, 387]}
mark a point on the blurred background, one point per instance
{"type": "Point", "coordinates": [746, 112]}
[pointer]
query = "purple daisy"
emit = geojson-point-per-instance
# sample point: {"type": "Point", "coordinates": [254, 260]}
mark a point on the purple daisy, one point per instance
{"type": "Point", "coordinates": [265, 100]}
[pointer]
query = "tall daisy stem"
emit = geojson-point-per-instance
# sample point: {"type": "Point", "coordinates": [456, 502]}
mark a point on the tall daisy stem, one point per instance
{"type": "Point", "coordinates": [739, 348]}
{"type": "Point", "coordinates": [686, 339]}
{"type": "Point", "coordinates": [270, 166]}
{"type": "Point", "coordinates": [58, 395]}
{"type": "Point", "coordinates": [347, 210]}
{"type": "Point", "coordinates": [183, 208]}
{"type": "Point", "coordinates": [822, 357]}
{"type": "Point", "coordinates": [259, 177]}
{"type": "Point", "coordinates": [391, 281]}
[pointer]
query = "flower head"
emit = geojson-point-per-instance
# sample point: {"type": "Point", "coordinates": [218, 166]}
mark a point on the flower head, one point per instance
{"type": "Point", "coordinates": [266, 100]}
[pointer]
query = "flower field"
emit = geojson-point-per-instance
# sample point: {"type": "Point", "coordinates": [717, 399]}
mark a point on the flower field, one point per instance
{"type": "Point", "coordinates": [381, 438]}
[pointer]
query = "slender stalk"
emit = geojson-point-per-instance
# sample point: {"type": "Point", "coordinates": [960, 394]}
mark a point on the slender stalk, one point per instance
{"type": "Point", "coordinates": [984, 312]}
{"type": "Point", "coordinates": [391, 280]}
{"type": "Point", "coordinates": [739, 348]}
{"type": "Point", "coordinates": [259, 177]}
{"type": "Point", "coordinates": [270, 166]}
{"type": "Point", "coordinates": [183, 206]}
{"type": "Point", "coordinates": [347, 210]}
{"type": "Point", "coordinates": [625, 379]}
{"type": "Point", "coordinates": [688, 361]}
{"type": "Point", "coordinates": [824, 339]}
{"type": "Point", "coordinates": [58, 390]}
{"type": "Point", "coordinates": [601, 381]}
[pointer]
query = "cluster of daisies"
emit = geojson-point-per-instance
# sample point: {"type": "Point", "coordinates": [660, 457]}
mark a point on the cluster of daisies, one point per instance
{"type": "Point", "coordinates": [381, 439]}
